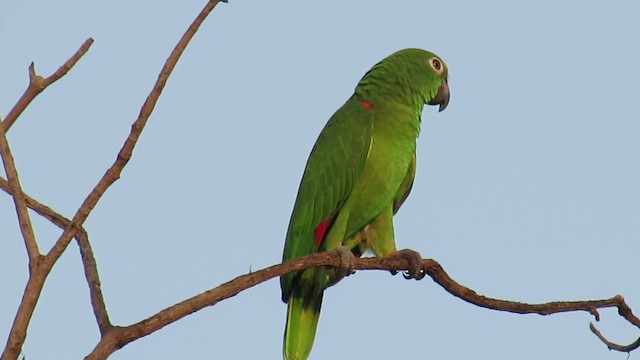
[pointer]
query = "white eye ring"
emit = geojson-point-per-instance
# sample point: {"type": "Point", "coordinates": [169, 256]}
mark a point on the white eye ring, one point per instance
{"type": "Point", "coordinates": [436, 64]}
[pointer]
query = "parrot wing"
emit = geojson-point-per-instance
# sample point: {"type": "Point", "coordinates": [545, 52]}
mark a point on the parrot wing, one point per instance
{"type": "Point", "coordinates": [405, 186]}
{"type": "Point", "coordinates": [335, 163]}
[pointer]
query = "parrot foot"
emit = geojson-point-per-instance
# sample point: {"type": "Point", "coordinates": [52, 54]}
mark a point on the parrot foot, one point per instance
{"type": "Point", "coordinates": [415, 271]}
{"type": "Point", "coordinates": [346, 265]}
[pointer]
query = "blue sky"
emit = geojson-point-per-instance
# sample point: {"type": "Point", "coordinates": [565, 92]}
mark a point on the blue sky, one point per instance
{"type": "Point", "coordinates": [527, 185]}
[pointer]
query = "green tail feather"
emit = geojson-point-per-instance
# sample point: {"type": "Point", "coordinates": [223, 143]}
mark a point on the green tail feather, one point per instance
{"type": "Point", "coordinates": [302, 321]}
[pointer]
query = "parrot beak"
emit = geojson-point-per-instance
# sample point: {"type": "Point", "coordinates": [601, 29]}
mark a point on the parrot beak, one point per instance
{"type": "Point", "coordinates": [442, 97]}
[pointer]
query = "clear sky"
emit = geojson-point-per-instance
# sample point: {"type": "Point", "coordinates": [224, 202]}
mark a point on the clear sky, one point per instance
{"type": "Point", "coordinates": [527, 185]}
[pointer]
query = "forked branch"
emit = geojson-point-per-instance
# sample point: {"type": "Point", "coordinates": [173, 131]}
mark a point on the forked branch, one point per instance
{"type": "Point", "coordinates": [37, 84]}
{"type": "Point", "coordinates": [39, 267]}
{"type": "Point", "coordinates": [73, 228]}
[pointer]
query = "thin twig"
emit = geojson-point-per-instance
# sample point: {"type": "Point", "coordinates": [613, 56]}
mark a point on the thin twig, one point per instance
{"type": "Point", "coordinates": [93, 280]}
{"type": "Point", "coordinates": [37, 84]}
{"type": "Point", "coordinates": [33, 204]}
{"type": "Point", "coordinates": [19, 201]}
{"type": "Point", "coordinates": [435, 270]}
{"type": "Point", "coordinates": [613, 346]}
{"type": "Point", "coordinates": [625, 311]}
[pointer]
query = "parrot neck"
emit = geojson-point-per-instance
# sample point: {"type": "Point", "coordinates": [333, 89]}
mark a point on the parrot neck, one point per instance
{"type": "Point", "coordinates": [384, 90]}
{"type": "Point", "coordinates": [384, 100]}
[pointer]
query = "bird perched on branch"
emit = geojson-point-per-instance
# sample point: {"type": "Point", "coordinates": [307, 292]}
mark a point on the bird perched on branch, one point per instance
{"type": "Point", "coordinates": [359, 173]}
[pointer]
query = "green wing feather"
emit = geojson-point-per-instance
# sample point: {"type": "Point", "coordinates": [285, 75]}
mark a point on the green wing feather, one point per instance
{"type": "Point", "coordinates": [405, 186]}
{"type": "Point", "coordinates": [335, 163]}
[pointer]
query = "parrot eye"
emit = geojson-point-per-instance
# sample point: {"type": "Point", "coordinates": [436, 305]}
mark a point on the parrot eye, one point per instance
{"type": "Point", "coordinates": [436, 64]}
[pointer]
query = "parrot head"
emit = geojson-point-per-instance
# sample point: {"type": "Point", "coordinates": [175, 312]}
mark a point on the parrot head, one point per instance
{"type": "Point", "coordinates": [422, 77]}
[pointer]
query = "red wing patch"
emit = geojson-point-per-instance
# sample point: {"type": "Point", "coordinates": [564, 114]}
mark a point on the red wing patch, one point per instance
{"type": "Point", "coordinates": [367, 105]}
{"type": "Point", "coordinates": [318, 233]}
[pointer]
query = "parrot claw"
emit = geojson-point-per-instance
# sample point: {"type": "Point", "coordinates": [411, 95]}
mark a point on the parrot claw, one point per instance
{"type": "Point", "coordinates": [415, 271]}
{"type": "Point", "coordinates": [346, 265]}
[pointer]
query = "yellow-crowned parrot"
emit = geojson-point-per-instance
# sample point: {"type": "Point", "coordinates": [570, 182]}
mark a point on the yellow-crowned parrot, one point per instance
{"type": "Point", "coordinates": [359, 173]}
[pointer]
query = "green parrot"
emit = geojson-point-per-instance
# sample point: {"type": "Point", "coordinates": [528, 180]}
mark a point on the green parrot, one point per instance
{"type": "Point", "coordinates": [359, 173]}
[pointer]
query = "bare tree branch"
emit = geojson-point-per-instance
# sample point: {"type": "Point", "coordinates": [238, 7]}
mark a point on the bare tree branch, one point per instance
{"type": "Point", "coordinates": [37, 84]}
{"type": "Point", "coordinates": [438, 274]}
{"type": "Point", "coordinates": [119, 336]}
{"type": "Point", "coordinates": [18, 332]}
{"type": "Point", "coordinates": [19, 201]}
{"type": "Point", "coordinates": [613, 346]}
{"type": "Point", "coordinates": [36, 280]}
{"type": "Point", "coordinates": [38, 269]}
{"type": "Point", "coordinates": [89, 265]}
{"type": "Point", "coordinates": [93, 280]}
{"type": "Point", "coordinates": [86, 253]}
{"type": "Point", "coordinates": [37, 276]}
{"type": "Point", "coordinates": [43, 210]}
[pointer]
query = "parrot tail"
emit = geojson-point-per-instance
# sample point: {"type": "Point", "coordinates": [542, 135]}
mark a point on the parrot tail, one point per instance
{"type": "Point", "coordinates": [302, 320]}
